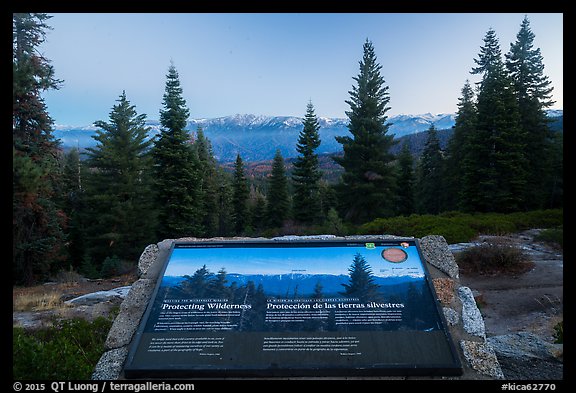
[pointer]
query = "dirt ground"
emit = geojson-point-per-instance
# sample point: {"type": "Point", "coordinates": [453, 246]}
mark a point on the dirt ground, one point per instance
{"type": "Point", "coordinates": [528, 302]}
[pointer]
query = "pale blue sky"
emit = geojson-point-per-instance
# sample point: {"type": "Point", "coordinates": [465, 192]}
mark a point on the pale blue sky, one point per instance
{"type": "Point", "coordinates": [273, 64]}
{"type": "Point", "coordinates": [309, 260]}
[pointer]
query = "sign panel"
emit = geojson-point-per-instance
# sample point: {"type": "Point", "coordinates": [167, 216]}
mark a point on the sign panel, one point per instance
{"type": "Point", "coordinates": [307, 308]}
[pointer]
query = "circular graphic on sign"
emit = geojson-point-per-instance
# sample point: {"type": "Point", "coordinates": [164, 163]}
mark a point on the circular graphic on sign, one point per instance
{"type": "Point", "coordinates": [394, 255]}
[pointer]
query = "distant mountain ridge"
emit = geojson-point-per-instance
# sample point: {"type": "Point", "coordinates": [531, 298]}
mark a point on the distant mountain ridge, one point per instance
{"type": "Point", "coordinates": [256, 138]}
{"type": "Point", "coordinates": [303, 284]}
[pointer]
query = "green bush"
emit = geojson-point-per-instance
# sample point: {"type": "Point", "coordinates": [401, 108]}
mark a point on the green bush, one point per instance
{"type": "Point", "coordinates": [457, 227]}
{"type": "Point", "coordinates": [67, 350]}
{"type": "Point", "coordinates": [111, 267]}
{"type": "Point", "coordinates": [559, 333]}
{"type": "Point", "coordinates": [554, 236]}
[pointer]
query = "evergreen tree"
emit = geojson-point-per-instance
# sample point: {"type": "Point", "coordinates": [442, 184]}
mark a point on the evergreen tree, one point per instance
{"type": "Point", "coordinates": [209, 187]}
{"type": "Point", "coordinates": [361, 283]}
{"type": "Point", "coordinates": [257, 210]}
{"type": "Point", "coordinates": [119, 185]}
{"type": "Point", "coordinates": [240, 193]}
{"type": "Point", "coordinates": [37, 220]}
{"type": "Point", "coordinates": [368, 185]}
{"type": "Point", "coordinates": [224, 195]}
{"type": "Point", "coordinates": [73, 189]}
{"type": "Point", "coordinates": [306, 173]}
{"type": "Point", "coordinates": [278, 199]}
{"type": "Point", "coordinates": [457, 196]}
{"type": "Point", "coordinates": [197, 285]}
{"type": "Point", "coordinates": [429, 189]}
{"type": "Point", "coordinates": [178, 197]}
{"type": "Point", "coordinates": [406, 177]}
{"type": "Point", "coordinates": [533, 89]}
{"type": "Point", "coordinates": [495, 173]}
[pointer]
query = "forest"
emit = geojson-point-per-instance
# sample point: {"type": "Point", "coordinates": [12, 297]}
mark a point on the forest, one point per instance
{"type": "Point", "coordinates": [95, 214]}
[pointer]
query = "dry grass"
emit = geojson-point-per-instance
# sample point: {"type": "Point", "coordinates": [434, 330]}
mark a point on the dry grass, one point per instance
{"type": "Point", "coordinates": [42, 297]}
{"type": "Point", "coordinates": [51, 296]}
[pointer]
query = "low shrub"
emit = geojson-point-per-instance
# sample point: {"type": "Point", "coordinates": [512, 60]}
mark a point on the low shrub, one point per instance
{"type": "Point", "coordinates": [493, 257]}
{"type": "Point", "coordinates": [559, 333]}
{"type": "Point", "coordinates": [67, 350]}
{"type": "Point", "coordinates": [457, 227]}
{"type": "Point", "coordinates": [554, 236]}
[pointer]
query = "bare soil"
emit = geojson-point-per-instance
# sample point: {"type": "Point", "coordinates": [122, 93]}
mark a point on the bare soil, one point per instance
{"type": "Point", "coordinates": [530, 301]}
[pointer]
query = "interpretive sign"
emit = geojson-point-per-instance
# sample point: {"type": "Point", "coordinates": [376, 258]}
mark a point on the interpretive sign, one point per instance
{"type": "Point", "coordinates": [278, 308]}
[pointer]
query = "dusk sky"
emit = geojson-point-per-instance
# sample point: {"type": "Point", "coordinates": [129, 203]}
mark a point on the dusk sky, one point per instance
{"type": "Point", "coordinates": [274, 64]}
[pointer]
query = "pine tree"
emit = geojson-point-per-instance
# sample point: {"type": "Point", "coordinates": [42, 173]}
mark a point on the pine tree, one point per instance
{"type": "Point", "coordinates": [257, 209]}
{"type": "Point", "coordinates": [368, 185]}
{"type": "Point", "coordinates": [496, 174]}
{"type": "Point", "coordinates": [306, 173]}
{"type": "Point", "coordinates": [209, 187]}
{"type": "Point", "coordinates": [240, 194]}
{"type": "Point", "coordinates": [278, 199]}
{"type": "Point", "coordinates": [458, 193]}
{"type": "Point", "coordinates": [178, 198]}
{"type": "Point", "coordinates": [406, 177]}
{"type": "Point", "coordinates": [119, 185]}
{"type": "Point", "coordinates": [429, 187]}
{"type": "Point", "coordinates": [361, 283]}
{"type": "Point", "coordinates": [74, 176]}
{"type": "Point", "coordinates": [37, 220]}
{"type": "Point", "coordinates": [533, 89]}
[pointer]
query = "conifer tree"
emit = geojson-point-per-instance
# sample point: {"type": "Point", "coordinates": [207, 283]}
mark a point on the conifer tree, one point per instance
{"type": "Point", "coordinates": [407, 178]}
{"type": "Point", "coordinates": [533, 89]}
{"type": "Point", "coordinates": [429, 188]}
{"type": "Point", "coordinates": [119, 185]}
{"type": "Point", "coordinates": [361, 283]}
{"type": "Point", "coordinates": [74, 176]}
{"type": "Point", "coordinates": [496, 170]}
{"type": "Point", "coordinates": [240, 193]}
{"type": "Point", "coordinates": [257, 210]}
{"type": "Point", "coordinates": [224, 195]}
{"type": "Point", "coordinates": [37, 220]}
{"type": "Point", "coordinates": [278, 199]}
{"type": "Point", "coordinates": [368, 185]}
{"type": "Point", "coordinates": [178, 198]}
{"type": "Point", "coordinates": [306, 173]}
{"type": "Point", "coordinates": [209, 187]}
{"type": "Point", "coordinates": [457, 196]}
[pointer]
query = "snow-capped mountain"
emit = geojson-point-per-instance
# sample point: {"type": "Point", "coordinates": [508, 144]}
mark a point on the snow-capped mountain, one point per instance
{"type": "Point", "coordinates": [256, 138]}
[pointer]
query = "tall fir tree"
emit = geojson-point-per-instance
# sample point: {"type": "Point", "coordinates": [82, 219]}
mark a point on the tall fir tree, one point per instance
{"type": "Point", "coordinates": [456, 195]}
{"type": "Point", "coordinates": [533, 89]}
{"type": "Point", "coordinates": [37, 220]}
{"type": "Point", "coordinates": [407, 177]}
{"type": "Point", "coordinates": [306, 173]}
{"type": "Point", "coordinates": [367, 189]}
{"type": "Point", "coordinates": [240, 193]}
{"type": "Point", "coordinates": [176, 164]}
{"type": "Point", "coordinates": [119, 185]}
{"type": "Point", "coordinates": [278, 198]}
{"type": "Point", "coordinates": [209, 187]}
{"type": "Point", "coordinates": [74, 174]}
{"type": "Point", "coordinates": [429, 185]}
{"type": "Point", "coordinates": [361, 285]}
{"type": "Point", "coordinates": [496, 172]}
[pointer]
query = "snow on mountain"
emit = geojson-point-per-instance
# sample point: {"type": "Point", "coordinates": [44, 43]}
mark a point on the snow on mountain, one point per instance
{"type": "Point", "coordinates": [256, 137]}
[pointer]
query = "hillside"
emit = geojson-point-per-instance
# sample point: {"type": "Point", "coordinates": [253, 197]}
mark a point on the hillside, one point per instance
{"type": "Point", "coordinates": [256, 138]}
